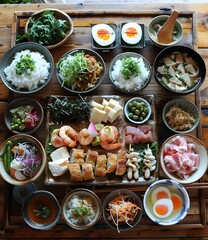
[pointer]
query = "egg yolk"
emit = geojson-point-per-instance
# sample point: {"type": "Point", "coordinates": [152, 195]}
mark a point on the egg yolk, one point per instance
{"type": "Point", "coordinates": [103, 34]}
{"type": "Point", "coordinates": [161, 209]}
{"type": "Point", "coordinates": [177, 203]}
{"type": "Point", "coordinates": [162, 194]}
{"type": "Point", "coordinates": [131, 32]}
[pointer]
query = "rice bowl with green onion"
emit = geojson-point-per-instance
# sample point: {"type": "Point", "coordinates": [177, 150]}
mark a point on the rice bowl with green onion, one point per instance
{"type": "Point", "coordinates": [129, 72]}
{"type": "Point", "coordinates": [28, 70]}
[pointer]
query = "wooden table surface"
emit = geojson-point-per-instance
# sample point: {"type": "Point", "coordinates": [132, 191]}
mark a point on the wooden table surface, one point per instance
{"type": "Point", "coordinates": [12, 225]}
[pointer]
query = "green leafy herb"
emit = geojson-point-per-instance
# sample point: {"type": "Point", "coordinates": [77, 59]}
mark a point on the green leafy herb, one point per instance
{"type": "Point", "coordinates": [42, 211]}
{"type": "Point", "coordinates": [81, 211]}
{"type": "Point", "coordinates": [25, 65]}
{"type": "Point", "coordinates": [129, 68]}
{"type": "Point", "coordinates": [64, 110]}
{"type": "Point", "coordinates": [73, 67]}
{"type": "Point", "coordinates": [46, 30]}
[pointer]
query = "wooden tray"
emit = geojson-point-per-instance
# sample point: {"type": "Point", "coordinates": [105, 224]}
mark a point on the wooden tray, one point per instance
{"type": "Point", "coordinates": [120, 124]}
{"type": "Point", "coordinates": [81, 37]}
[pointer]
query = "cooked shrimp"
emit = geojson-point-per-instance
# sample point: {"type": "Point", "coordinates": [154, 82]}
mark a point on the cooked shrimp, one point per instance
{"type": "Point", "coordinates": [85, 137]}
{"type": "Point", "coordinates": [109, 134]}
{"type": "Point", "coordinates": [111, 146]}
{"type": "Point", "coordinates": [56, 140]}
{"type": "Point", "coordinates": [68, 135]}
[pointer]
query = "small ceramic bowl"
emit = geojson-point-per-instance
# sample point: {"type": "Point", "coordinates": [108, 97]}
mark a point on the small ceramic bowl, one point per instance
{"type": "Point", "coordinates": [135, 83]}
{"type": "Point", "coordinates": [154, 27]}
{"type": "Point", "coordinates": [166, 202]}
{"type": "Point", "coordinates": [18, 105]}
{"type": "Point", "coordinates": [137, 110]}
{"type": "Point", "coordinates": [20, 193]}
{"type": "Point", "coordinates": [180, 122]}
{"type": "Point", "coordinates": [59, 15]}
{"type": "Point", "coordinates": [187, 162]}
{"type": "Point", "coordinates": [90, 206]}
{"type": "Point", "coordinates": [13, 81]}
{"type": "Point", "coordinates": [188, 73]}
{"type": "Point", "coordinates": [119, 196]}
{"type": "Point", "coordinates": [12, 169]}
{"type": "Point", "coordinates": [78, 89]}
{"type": "Point", "coordinates": [41, 210]}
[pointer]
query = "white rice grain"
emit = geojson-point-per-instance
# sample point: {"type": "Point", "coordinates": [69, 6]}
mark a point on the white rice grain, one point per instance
{"type": "Point", "coordinates": [32, 80]}
{"type": "Point", "coordinates": [134, 83]}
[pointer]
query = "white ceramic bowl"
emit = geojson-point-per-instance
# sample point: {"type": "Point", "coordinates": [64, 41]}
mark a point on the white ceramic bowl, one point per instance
{"type": "Point", "coordinates": [128, 110]}
{"type": "Point", "coordinates": [199, 148]}
{"type": "Point", "coordinates": [15, 139]}
{"type": "Point", "coordinates": [81, 193]}
{"type": "Point", "coordinates": [153, 29]}
{"type": "Point", "coordinates": [178, 214]}
{"type": "Point", "coordinates": [186, 106]}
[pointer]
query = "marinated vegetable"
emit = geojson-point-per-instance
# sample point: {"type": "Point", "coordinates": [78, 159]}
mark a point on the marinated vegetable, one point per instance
{"type": "Point", "coordinates": [24, 118]}
{"type": "Point", "coordinates": [122, 210]}
{"type": "Point", "coordinates": [137, 110]}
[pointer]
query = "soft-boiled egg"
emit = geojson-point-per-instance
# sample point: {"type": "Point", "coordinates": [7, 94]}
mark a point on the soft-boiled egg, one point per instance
{"type": "Point", "coordinates": [159, 193]}
{"type": "Point", "coordinates": [163, 208]}
{"type": "Point", "coordinates": [103, 34]}
{"type": "Point", "coordinates": [177, 202]}
{"type": "Point", "coordinates": [131, 33]}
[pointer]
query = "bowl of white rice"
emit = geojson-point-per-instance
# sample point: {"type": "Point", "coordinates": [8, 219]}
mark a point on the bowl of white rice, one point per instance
{"type": "Point", "coordinates": [81, 208]}
{"type": "Point", "coordinates": [130, 72]}
{"type": "Point", "coordinates": [27, 67]}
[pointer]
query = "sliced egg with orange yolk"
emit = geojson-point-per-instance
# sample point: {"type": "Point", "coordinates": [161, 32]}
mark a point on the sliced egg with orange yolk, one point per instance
{"type": "Point", "coordinates": [159, 193]}
{"type": "Point", "coordinates": [163, 208]}
{"type": "Point", "coordinates": [131, 33]}
{"type": "Point", "coordinates": [103, 34]}
{"type": "Point", "coordinates": [177, 202]}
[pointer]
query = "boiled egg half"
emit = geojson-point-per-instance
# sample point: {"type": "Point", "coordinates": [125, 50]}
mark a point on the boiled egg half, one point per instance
{"type": "Point", "coordinates": [103, 34]}
{"type": "Point", "coordinates": [131, 33]}
{"type": "Point", "coordinates": [160, 193]}
{"type": "Point", "coordinates": [163, 208]}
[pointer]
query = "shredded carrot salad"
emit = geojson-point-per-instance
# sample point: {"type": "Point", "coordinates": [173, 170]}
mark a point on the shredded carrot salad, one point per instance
{"type": "Point", "coordinates": [122, 210]}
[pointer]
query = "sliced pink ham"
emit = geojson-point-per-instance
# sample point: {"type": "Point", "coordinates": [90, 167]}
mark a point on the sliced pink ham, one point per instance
{"type": "Point", "coordinates": [180, 157]}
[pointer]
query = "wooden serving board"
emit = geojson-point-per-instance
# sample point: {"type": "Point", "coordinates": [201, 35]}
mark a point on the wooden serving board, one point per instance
{"type": "Point", "coordinates": [81, 38]}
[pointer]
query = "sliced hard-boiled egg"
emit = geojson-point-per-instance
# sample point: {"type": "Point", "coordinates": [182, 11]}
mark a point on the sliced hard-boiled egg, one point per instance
{"type": "Point", "coordinates": [159, 193]}
{"type": "Point", "coordinates": [163, 208]}
{"type": "Point", "coordinates": [131, 33]}
{"type": "Point", "coordinates": [177, 202]}
{"type": "Point", "coordinates": [103, 34]}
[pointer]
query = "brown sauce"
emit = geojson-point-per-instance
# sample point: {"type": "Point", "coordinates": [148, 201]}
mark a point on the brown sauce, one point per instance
{"type": "Point", "coordinates": [46, 201]}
